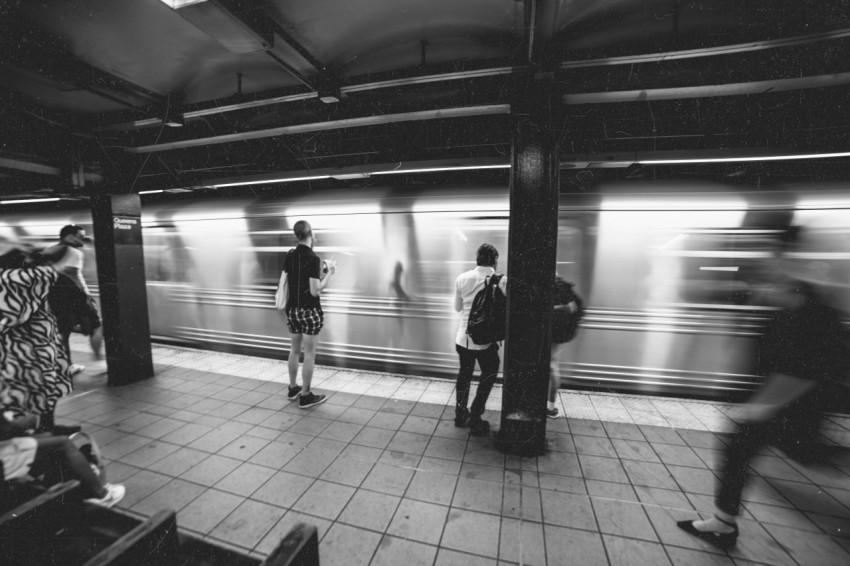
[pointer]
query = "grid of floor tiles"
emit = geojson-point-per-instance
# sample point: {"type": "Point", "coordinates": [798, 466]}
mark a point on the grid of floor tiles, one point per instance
{"type": "Point", "coordinates": [387, 479]}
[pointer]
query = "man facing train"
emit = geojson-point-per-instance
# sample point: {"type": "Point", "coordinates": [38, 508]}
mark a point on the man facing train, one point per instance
{"type": "Point", "coordinates": [467, 286]}
{"type": "Point", "coordinates": [306, 277]}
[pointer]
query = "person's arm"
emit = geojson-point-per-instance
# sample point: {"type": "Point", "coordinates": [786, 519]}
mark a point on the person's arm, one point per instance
{"type": "Point", "coordinates": [285, 290]}
{"type": "Point", "coordinates": [779, 391]}
{"type": "Point", "coordinates": [20, 426]}
{"type": "Point", "coordinates": [571, 306]}
{"type": "Point", "coordinates": [458, 299]}
{"type": "Point", "coordinates": [318, 285]}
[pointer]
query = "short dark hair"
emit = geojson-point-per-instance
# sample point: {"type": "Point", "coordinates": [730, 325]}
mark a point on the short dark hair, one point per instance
{"type": "Point", "coordinates": [69, 230]}
{"type": "Point", "coordinates": [486, 255]}
{"type": "Point", "coordinates": [302, 230]}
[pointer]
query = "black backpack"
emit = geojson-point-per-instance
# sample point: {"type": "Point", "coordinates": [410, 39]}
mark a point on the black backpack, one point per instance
{"type": "Point", "coordinates": [488, 313]}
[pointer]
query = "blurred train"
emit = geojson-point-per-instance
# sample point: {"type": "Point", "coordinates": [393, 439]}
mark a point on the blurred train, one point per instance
{"type": "Point", "coordinates": [665, 271]}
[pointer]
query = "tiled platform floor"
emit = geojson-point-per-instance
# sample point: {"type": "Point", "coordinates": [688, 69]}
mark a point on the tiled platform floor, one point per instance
{"type": "Point", "coordinates": [387, 478]}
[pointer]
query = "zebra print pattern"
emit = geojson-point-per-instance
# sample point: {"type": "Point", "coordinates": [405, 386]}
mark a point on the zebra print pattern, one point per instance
{"type": "Point", "coordinates": [33, 364]}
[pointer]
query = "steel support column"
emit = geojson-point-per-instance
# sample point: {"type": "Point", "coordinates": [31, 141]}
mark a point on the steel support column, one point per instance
{"type": "Point", "coordinates": [532, 243]}
{"type": "Point", "coordinates": [123, 294]}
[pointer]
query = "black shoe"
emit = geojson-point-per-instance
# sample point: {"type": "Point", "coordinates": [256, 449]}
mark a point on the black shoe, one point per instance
{"type": "Point", "coordinates": [720, 540]}
{"type": "Point", "coordinates": [62, 430]}
{"type": "Point", "coordinates": [478, 426]}
{"type": "Point", "coordinates": [308, 400]}
{"type": "Point", "coordinates": [294, 392]}
{"type": "Point", "coordinates": [462, 419]}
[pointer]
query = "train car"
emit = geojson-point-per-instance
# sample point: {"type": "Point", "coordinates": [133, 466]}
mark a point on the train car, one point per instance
{"type": "Point", "coordinates": [666, 272]}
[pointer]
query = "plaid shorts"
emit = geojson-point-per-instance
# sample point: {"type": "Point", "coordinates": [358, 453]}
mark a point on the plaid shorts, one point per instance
{"type": "Point", "coordinates": [305, 321]}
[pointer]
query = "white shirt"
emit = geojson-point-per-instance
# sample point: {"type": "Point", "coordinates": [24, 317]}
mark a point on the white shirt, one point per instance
{"type": "Point", "coordinates": [467, 286]}
{"type": "Point", "coordinates": [73, 258]}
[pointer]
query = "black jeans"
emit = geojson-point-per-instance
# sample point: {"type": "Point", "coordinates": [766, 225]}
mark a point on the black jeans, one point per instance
{"type": "Point", "coordinates": [794, 431]}
{"type": "Point", "coordinates": [488, 360]}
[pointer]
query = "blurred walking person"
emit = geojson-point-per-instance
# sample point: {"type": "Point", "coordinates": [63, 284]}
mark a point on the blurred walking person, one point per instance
{"type": "Point", "coordinates": [802, 355]}
{"type": "Point", "coordinates": [306, 277]}
{"type": "Point", "coordinates": [71, 300]}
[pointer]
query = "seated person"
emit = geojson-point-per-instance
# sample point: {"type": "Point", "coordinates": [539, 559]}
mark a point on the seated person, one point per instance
{"type": "Point", "coordinates": [57, 457]}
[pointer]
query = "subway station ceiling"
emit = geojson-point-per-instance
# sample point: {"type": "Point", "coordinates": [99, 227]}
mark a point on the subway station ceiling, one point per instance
{"type": "Point", "coordinates": [149, 95]}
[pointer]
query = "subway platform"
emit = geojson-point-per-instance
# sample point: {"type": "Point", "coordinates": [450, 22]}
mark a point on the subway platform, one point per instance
{"type": "Point", "coordinates": [387, 479]}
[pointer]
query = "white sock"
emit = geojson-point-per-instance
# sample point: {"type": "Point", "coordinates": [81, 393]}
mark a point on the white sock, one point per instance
{"type": "Point", "coordinates": [550, 405]}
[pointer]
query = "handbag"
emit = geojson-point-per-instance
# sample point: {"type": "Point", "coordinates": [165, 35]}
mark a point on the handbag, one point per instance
{"type": "Point", "coordinates": [279, 299]}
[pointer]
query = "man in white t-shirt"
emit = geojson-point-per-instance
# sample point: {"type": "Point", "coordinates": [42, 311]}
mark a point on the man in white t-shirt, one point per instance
{"type": "Point", "coordinates": [79, 310]}
{"type": "Point", "coordinates": [467, 285]}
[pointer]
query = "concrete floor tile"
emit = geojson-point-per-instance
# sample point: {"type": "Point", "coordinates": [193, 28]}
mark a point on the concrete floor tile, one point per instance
{"type": "Point", "coordinates": [282, 489]}
{"type": "Point", "coordinates": [369, 510]}
{"type": "Point", "coordinates": [522, 542]}
{"type": "Point", "coordinates": [573, 546]}
{"type": "Point", "coordinates": [473, 532]}
{"type": "Point", "coordinates": [245, 480]}
{"type": "Point", "coordinates": [324, 499]}
{"type": "Point", "coordinates": [248, 523]}
{"type": "Point", "coordinates": [418, 520]}
{"type": "Point", "coordinates": [393, 550]}
{"type": "Point", "coordinates": [628, 552]}
{"type": "Point", "coordinates": [344, 545]}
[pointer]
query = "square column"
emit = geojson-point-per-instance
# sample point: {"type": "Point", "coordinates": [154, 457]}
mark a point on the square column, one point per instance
{"type": "Point", "coordinates": [117, 223]}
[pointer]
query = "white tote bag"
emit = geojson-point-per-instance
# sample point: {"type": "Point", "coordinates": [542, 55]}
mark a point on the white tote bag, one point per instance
{"type": "Point", "coordinates": [279, 298]}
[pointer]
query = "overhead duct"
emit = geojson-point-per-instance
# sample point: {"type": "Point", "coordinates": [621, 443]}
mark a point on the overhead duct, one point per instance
{"type": "Point", "coordinates": [222, 25]}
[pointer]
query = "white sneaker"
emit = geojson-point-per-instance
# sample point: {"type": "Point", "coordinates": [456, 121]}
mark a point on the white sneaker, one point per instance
{"type": "Point", "coordinates": [114, 494]}
{"type": "Point", "coordinates": [74, 369]}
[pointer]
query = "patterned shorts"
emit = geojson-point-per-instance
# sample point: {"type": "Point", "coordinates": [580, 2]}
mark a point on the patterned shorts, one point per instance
{"type": "Point", "coordinates": [305, 321]}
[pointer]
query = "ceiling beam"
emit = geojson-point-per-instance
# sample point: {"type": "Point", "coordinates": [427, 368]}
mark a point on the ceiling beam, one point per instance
{"type": "Point", "coordinates": [438, 114]}
{"type": "Point", "coordinates": [708, 91]}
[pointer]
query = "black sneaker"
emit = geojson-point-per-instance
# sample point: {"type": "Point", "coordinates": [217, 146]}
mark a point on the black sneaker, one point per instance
{"type": "Point", "coordinates": [552, 413]}
{"type": "Point", "coordinates": [294, 392]}
{"type": "Point", "coordinates": [461, 419]}
{"type": "Point", "coordinates": [478, 427]}
{"type": "Point", "coordinates": [308, 400]}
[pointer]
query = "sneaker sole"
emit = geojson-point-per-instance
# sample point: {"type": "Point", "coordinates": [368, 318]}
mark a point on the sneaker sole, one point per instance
{"type": "Point", "coordinates": [312, 404]}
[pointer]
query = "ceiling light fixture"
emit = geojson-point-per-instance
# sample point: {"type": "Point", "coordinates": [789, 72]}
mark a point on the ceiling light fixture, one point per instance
{"type": "Point", "coordinates": [741, 159]}
{"type": "Point", "coordinates": [25, 200]}
{"type": "Point", "coordinates": [269, 181]}
{"type": "Point", "coordinates": [151, 192]}
{"type": "Point", "coordinates": [436, 169]}
{"type": "Point", "coordinates": [175, 4]}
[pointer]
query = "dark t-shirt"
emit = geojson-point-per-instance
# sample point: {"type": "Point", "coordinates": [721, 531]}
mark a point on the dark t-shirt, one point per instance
{"type": "Point", "coordinates": [806, 343]}
{"type": "Point", "coordinates": [300, 265]}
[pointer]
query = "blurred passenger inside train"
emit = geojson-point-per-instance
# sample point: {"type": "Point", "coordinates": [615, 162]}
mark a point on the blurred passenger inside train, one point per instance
{"type": "Point", "coordinates": [70, 299]}
{"type": "Point", "coordinates": [803, 357]}
{"type": "Point", "coordinates": [306, 277]}
{"type": "Point", "coordinates": [467, 285]}
{"type": "Point", "coordinates": [33, 363]}
{"type": "Point", "coordinates": [55, 458]}
{"type": "Point", "coordinates": [565, 319]}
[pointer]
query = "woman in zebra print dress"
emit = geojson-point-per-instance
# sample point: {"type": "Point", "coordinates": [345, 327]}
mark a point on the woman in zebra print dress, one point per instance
{"type": "Point", "coordinates": [33, 365]}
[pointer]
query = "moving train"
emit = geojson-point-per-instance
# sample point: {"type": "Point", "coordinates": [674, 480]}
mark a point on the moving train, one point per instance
{"type": "Point", "coordinates": [665, 272]}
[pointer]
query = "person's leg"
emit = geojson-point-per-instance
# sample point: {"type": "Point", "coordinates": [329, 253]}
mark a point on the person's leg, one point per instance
{"type": "Point", "coordinates": [554, 375]}
{"type": "Point", "coordinates": [294, 356]}
{"type": "Point", "coordinates": [58, 454]}
{"type": "Point", "coordinates": [488, 360]}
{"type": "Point", "coordinates": [466, 359]}
{"type": "Point", "coordinates": [309, 343]}
{"type": "Point", "coordinates": [733, 476]}
{"type": "Point", "coordinates": [96, 342]}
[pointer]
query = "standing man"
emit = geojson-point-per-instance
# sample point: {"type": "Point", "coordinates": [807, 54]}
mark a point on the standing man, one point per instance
{"type": "Point", "coordinates": [467, 285]}
{"type": "Point", "coordinates": [72, 302]}
{"type": "Point", "coordinates": [306, 278]}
